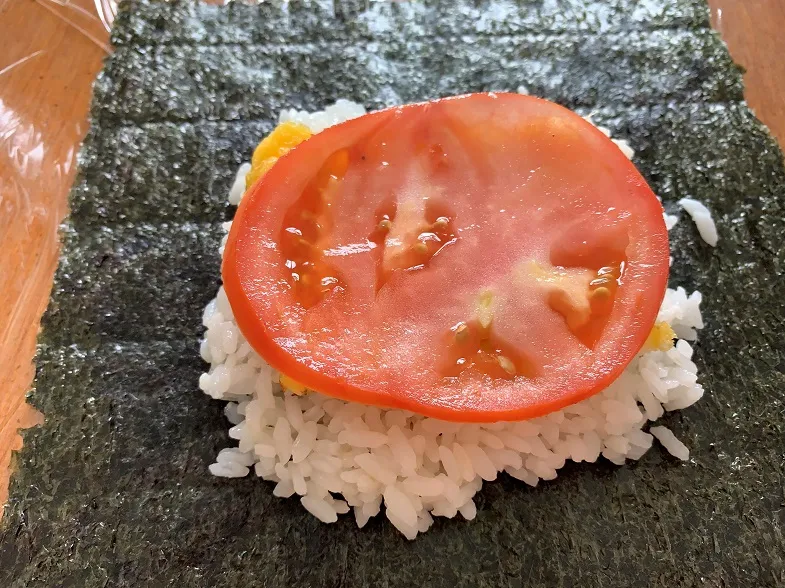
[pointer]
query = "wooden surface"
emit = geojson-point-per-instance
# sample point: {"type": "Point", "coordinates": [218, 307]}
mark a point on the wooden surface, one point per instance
{"type": "Point", "coordinates": [52, 50]}
{"type": "Point", "coordinates": [753, 30]}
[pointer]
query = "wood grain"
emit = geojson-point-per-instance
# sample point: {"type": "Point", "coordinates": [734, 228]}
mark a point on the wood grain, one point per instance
{"type": "Point", "coordinates": [52, 51]}
{"type": "Point", "coordinates": [753, 32]}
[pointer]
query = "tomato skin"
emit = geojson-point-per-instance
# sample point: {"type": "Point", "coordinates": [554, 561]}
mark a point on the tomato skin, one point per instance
{"type": "Point", "coordinates": [306, 340]}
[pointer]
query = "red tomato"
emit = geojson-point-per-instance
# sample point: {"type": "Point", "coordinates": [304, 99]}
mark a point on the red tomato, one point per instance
{"type": "Point", "coordinates": [480, 258]}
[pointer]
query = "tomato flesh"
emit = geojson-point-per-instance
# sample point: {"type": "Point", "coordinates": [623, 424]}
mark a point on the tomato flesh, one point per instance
{"type": "Point", "coordinates": [479, 258]}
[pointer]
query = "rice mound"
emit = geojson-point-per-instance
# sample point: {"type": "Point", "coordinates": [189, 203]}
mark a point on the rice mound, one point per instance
{"type": "Point", "coordinates": [337, 455]}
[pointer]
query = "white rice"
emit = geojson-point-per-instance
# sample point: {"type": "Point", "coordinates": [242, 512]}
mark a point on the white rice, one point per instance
{"type": "Point", "coordinates": [623, 145]}
{"type": "Point", "coordinates": [665, 436]}
{"type": "Point", "coordinates": [341, 111]}
{"type": "Point", "coordinates": [702, 219]}
{"type": "Point", "coordinates": [238, 186]}
{"type": "Point", "coordinates": [321, 448]}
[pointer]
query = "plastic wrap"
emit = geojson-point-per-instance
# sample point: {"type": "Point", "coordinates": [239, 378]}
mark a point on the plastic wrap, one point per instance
{"type": "Point", "coordinates": [51, 52]}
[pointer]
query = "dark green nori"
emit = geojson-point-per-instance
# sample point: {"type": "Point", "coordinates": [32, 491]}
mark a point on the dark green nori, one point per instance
{"type": "Point", "coordinates": [113, 489]}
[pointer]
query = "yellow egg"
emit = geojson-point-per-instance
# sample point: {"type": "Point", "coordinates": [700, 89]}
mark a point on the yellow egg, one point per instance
{"type": "Point", "coordinates": [292, 386]}
{"type": "Point", "coordinates": [283, 139]}
{"type": "Point", "coordinates": [660, 339]}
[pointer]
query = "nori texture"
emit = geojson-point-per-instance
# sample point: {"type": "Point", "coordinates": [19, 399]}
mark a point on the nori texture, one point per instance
{"type": "Point", "coordinates": [113, 489]}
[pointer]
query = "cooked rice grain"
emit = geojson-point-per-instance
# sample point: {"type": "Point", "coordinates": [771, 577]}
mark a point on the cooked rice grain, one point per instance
{"type": "Point", "coordinates": [701, 216]}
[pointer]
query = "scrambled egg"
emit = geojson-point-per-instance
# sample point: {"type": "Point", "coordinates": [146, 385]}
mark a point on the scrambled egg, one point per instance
{"type": "Point", "coordinates": [291, 385]}
{"type": "Point", "coordinates": [285, 137]}
{"type": "Point", "coordinates": [660, 339]}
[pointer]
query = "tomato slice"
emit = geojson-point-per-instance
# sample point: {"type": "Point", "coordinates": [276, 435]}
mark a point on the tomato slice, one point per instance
{"type": "Point", "coordinates": [479, 258]}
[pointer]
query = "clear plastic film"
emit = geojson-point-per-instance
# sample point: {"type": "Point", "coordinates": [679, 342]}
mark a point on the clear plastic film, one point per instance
{"type": "Point", "coordinates": [51, 53]}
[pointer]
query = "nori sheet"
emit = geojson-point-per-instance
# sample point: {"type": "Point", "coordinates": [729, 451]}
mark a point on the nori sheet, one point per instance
{"type": "Point", "coordinates": [113, 489]}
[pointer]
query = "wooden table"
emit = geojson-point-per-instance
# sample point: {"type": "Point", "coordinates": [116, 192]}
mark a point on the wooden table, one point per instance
{"type": "Point", "coordinates": [53, 49]}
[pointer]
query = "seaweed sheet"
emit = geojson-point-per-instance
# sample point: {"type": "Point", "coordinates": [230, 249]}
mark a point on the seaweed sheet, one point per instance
{"type": "Point", "coordinates": [113, 489]}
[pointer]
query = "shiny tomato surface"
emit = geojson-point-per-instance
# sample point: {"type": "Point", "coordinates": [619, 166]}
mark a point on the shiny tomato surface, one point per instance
{"type": "Point", "coordinates": [479, 258]}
